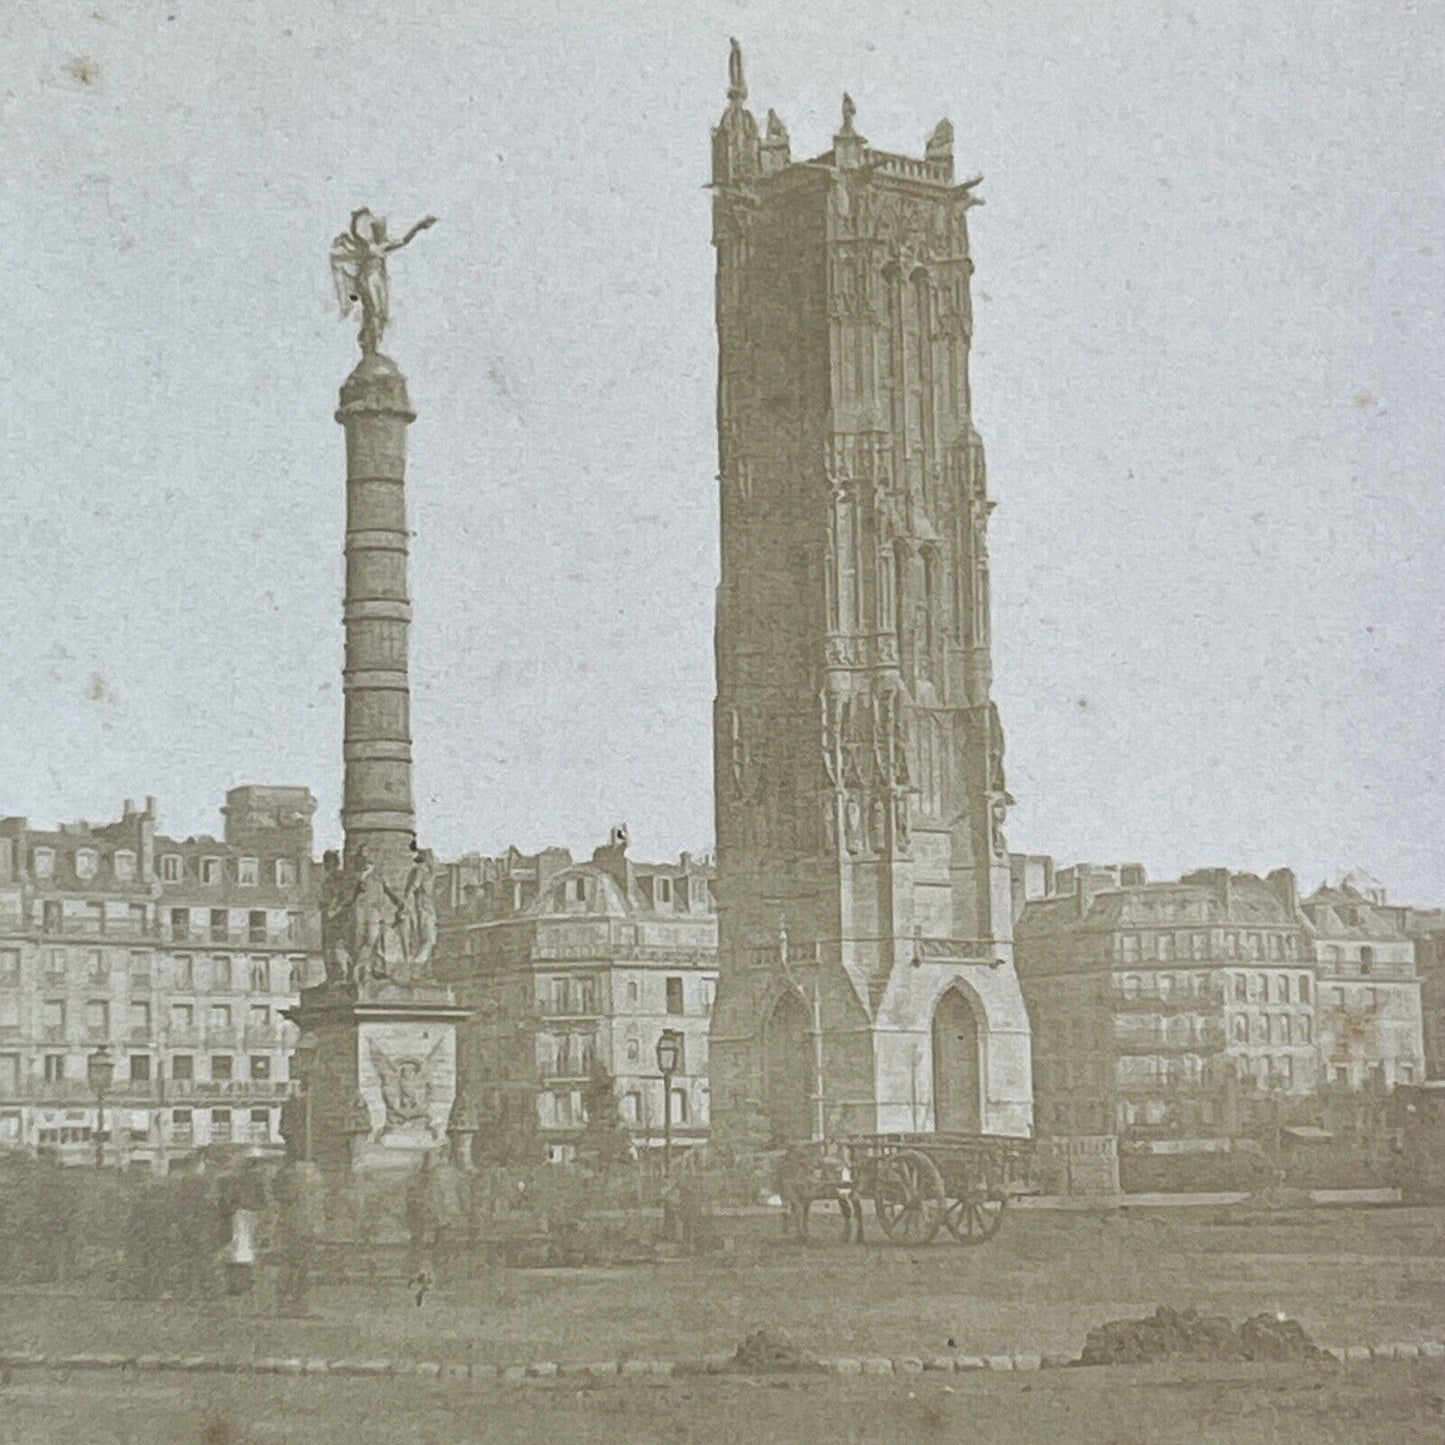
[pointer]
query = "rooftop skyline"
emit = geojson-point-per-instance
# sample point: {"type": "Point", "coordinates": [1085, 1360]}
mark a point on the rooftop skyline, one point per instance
{"type": "Point", "coordinates": [1207, 369]}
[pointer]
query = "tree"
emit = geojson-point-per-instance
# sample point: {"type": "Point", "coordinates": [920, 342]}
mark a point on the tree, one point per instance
{"type": "Point", "coordinates": [605, 1137]}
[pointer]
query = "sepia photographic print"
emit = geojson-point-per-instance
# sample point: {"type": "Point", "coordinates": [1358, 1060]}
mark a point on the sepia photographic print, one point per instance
{"type": "Point", "coordinates": [722, 722]}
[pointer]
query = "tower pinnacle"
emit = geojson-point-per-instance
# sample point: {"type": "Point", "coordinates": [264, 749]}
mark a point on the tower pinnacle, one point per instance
{"type": "Point", "coordinates": [737, 81]}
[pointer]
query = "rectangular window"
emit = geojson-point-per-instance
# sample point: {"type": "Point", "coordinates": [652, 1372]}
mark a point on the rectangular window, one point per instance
{"type": "Point", "coordinates": [260, 1067]}
{"type": "Point", "coordinates": [1284, 1071]}
{"type": "Point", "coordinates": [97, 1019]}
{"type": "Point", "coordinates": [1404, 1072]}
{"type": "Point", "coordinates": [221, 1125]}
{"type": "Point", "coordinates": [1199, 945]}
{"type": "Point", "coordinates": [285, 872]}
{"type": "Point", "coordinates": [632, 1107]}
{"type": "Point", "coordinates": [180, 923]}
{"type": "Point", "coordinates": [124, 865]}
{"type": "Point", "coordinates": [708, 990]}
{"type": "Point", "coordinates": [220, 925]}
{"type": "Point", "coordinates": [261, 1125]}
{"type": "Point", "coordinates": [54, 1068]}
{"type": "Point", "coordinates": [9, 968]}
{"type": "Point", "coordinates": [210, 870]}
{"type": "Point", "coordinates": [184, 972]}
{"type": "Point", "coordinates": [248, 872]}
{"type": "Point", "coordinates": [221, 1068]}
{"type": "Point", "coordinates": [220, 1018]}
{"type": "Point", "coordinates": [293, 928]}
{"type": "Point", "coordinates": [140, 1068]}
{"type": "Point", "coordinates": [183, 1018]}
{"type": "Point", "coordinates": [172, 868]}
{"type": "Point", "coordinates": [674, 995]}
{"type": "Point", "coordinates": [140, 1019]}
{"type": "Point", "coordinates": [662, 887]}
{"type": "Point", "coordinates": [181, 1124]}
{"type": "Point", "coordinates": [183, 1068]}
{"type": "Point", "coordinates": [43, 862]}
{"type": "Point", "coordinates": [260, 976]}
{"type": "Point", "coordinates": [256, 925]}
{"type": "Point", "coordinates": [259, 1017]}
{"type": "Point", "coordinates": [221, 973]}
{"type": "Point", "coordinates": [97, 967]}
{"type": "Point", "coordinates": [679, 1106]}
{"type": "Point", "coordinates": [86, 862]}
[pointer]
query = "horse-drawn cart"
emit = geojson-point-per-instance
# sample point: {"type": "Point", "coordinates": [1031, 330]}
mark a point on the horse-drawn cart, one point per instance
{"type": "Point", "coordinates": [919, 1183]}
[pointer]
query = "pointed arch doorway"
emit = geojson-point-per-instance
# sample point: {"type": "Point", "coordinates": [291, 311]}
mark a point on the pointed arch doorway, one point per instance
{"type": "Point", "coordinates": [788, 1070]}
{"type": "Point", "coordinates": [957, 1064]}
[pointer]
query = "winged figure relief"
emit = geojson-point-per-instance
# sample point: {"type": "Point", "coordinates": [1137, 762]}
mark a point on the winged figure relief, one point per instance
{"type": "Point", "coordinates": [406, 1085]}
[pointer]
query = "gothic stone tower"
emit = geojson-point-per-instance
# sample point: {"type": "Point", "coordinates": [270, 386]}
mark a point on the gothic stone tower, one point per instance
{"type": "Point", "coordinates": [867, 978]}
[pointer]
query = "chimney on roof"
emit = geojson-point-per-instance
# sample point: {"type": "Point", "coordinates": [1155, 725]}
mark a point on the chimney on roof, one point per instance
{"type": "Point", "coordinates": [1282, 881]}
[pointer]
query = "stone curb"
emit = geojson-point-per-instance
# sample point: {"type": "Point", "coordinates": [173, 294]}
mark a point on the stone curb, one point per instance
{"type": "Point", "coordinates": [548, 1371]}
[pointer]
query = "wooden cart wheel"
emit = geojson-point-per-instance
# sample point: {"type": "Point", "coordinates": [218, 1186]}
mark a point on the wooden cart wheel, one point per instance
{"type": "Point", "coordinates": [908, 1197]}
{"type": "Point", "coordinates": [975, 1219]}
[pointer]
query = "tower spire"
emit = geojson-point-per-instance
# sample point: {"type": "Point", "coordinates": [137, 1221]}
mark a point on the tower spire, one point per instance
{"type": "Point", "coordinates": [737, 81]}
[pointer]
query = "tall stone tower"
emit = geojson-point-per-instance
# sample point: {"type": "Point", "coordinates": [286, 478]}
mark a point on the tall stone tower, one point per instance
{"type": "Point", "coordinates": [867, 978]}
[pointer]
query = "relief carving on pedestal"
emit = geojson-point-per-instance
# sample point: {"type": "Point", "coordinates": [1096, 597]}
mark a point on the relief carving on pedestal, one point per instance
{"type": "Point", "coordinates": [407, 1086]}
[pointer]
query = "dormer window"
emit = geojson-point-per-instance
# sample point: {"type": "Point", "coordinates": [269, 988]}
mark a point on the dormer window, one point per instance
{"type": "Point", "coordinates": [579, 890]}
{"type": "Point", "coordinates": [124, 866]}
{"type": "Point", "coordinates": [87, 860]}
{"type": "Point", "coordinates": [210, 870]}
{"type": "Point", "coordinates": [43, 861]}
{"type": "Point", "coordinates": [248, 872]}
{"type": "Point", "coordinates": [285, 872]}
{"type": "Point", "coordinates": [662, 890]}
{"type": "Point", "coordinates": [173, 868]}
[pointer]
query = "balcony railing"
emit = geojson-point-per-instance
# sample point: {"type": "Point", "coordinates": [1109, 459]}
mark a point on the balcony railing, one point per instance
{"type": "Point", "coordinates": [77, 1093]}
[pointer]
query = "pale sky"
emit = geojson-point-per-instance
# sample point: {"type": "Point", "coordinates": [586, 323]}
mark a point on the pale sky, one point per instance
{"type": "Point", "coordinates": [1209, 367]}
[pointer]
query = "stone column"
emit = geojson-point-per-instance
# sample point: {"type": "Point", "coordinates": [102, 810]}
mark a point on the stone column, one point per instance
{"type": "Point", "coordinates": [377, 811]}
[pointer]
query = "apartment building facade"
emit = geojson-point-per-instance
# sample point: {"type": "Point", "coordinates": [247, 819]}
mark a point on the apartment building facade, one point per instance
{"type": "Point", "coordinates": [572, 970]}
{"type": "Point", "coordinates": [170, 958]}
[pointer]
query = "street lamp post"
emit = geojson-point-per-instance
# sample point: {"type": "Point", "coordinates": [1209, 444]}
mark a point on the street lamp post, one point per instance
{"type": "Point", "coordinates": [99, 1071]}
{"type": "Point", "coordinates": [669, 1056]}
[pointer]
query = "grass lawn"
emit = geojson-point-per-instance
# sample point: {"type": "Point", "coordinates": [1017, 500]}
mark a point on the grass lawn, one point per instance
{"type": "Point", "coordinates": [1348, 1275]}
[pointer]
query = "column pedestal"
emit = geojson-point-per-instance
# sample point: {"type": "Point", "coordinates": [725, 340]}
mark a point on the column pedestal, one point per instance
{"type": "Point", "coordinates": [383, 1077]}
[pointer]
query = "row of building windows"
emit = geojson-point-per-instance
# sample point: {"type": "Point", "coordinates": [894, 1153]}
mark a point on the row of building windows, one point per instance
{"type": "Point", "coordinates": [576, 995]}
{"type": "Point", "coordinates": [1242, 987]}
{"type": "Point", "coordinates": [219, 973]}
{"type": "Point", "coordinates": [564, 1109]}
{"type": "Point", "coordinates": [225, 1128]}
{"type": "Point", "coordinates": [212, 871]}
{"type": "Point", "coordinates": [1166, 947]}
{"type": "Point", "coordinates": [1271, 1029]}
{"type": "Point", "coordinates": [142, 1069]}
{"type": "Point", "coordinates": [96, 1017]}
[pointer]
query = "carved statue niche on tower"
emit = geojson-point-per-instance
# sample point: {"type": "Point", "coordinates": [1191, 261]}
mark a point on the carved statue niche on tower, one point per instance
{"type": "Point", "coordinates": [999, 797]}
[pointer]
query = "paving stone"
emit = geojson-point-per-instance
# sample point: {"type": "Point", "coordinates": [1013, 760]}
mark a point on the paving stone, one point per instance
{"type": "Point", "coordinates": [602, 1367]}
{"type": "Point", "coordinates": [427, 1369]}
{"type": "Point", "coordinates": [908, 1365]}
{"type": "Point", "coordinates": [22, 1359]}
{"type": "Point", "coordinates": [999, 1362]}
{"type": "Point", "coordinates": [542, 1370]}
{"type": "Point", "coordinates": [970, 1362]}
{"type": "Point", "coordinates": [940, 1362]}
{"type": "Point", "coordinates": [1382, 1352]}
{"type": "Point", "coordinates": [877, 1365]}
{"type": "Point", "coordinates": [1406, 1350]}
{"type": "Point", "coordinates": [317, 1366]}
{"type": "Point", "coordinates": [1028, 1362]}
{"type": "Point", "coordinates": [843, 1366]}
{"type": "Point", "coordinates": [1432, 1350]}
{"type": "Point", "coordinates": [1355, 1354]}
